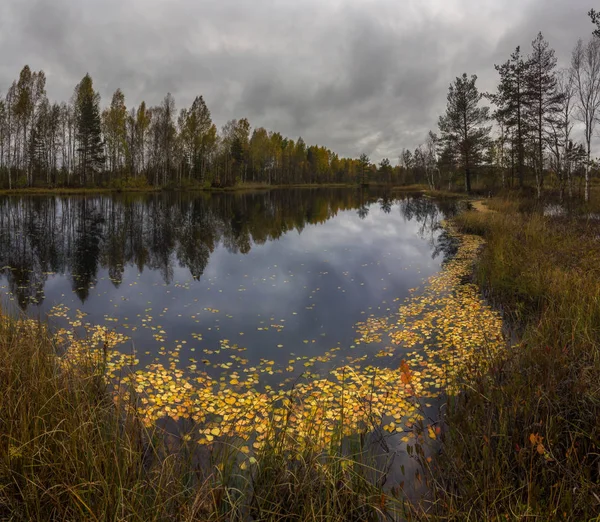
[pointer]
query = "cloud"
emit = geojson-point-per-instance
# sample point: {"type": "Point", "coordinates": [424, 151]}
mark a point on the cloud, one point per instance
{"type": "Point", "coordinates": [354, 75]}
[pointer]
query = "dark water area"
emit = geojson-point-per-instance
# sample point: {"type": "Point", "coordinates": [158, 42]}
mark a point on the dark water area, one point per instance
{"type": "Point", "coordinates": [233, 280]}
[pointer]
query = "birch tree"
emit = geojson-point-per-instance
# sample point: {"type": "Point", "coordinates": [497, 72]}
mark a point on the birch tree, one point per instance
{"type": "Point", "coordinates": [585, 66]}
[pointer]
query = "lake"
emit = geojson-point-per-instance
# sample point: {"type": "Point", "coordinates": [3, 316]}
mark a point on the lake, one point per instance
{"type": "Point", "coordinates": [255, 292]}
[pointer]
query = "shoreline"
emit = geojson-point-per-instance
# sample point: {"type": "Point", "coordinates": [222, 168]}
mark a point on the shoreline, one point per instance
{"type": "Point", "coordinates": [216, 190]}
{"type": "Point", "coordinates": [527, 427]}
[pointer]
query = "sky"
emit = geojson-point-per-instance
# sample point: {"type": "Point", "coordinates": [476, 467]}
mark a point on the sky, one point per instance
{"type": "Point", "coordinates": [353, 75]}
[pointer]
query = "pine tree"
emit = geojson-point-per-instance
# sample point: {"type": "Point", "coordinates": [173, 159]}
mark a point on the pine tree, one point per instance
{"type": "Point", "coordinates": [88, 130]}
{"type": "Point", "coordinates": [595, 17]}
{"type": "Point", "coordinates": [511, 103]}
{"type": "Point", "coordinates": [363, 164]}
{"type": "Point", "coordinates": [385, 167]}
{"type": "Point", "coordinates": [463, 126]}
{"type": "Point", "coordinates": [544, 101]}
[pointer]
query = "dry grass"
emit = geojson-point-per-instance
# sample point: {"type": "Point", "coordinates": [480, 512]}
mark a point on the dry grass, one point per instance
{"type": "Point", "coordinates": [69, 452]}
{"type": "Point", "coordinates": [524, 440]}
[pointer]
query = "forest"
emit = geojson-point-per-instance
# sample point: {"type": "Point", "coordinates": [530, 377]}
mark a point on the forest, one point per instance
{"type": "Point", "coordinates": [537, 131]}
{"type": "Point", "coordinates": [78, 144]}
{"type": "Point", "coordinates": [530, 133]}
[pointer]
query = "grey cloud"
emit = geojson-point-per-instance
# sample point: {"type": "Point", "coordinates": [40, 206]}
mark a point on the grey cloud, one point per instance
{"type": "Point", "coordinates": [353, 75]}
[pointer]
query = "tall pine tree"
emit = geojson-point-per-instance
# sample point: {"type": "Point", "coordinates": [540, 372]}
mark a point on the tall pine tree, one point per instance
{"type": "Point", "coordinates": [511, 103]}
{"type": "Point", "coordinates": [463, 126]}
{"type": "Point", "coordinates": [363, 164]}
{"type": "Point", "coordinates": [544, 101]}
{"type": "Point", "coordinates": [88, 133]}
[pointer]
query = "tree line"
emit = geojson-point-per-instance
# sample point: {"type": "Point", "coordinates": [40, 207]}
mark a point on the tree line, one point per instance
{"type": "Point", "coordinates": [535, 109]}
{"type": "Point", "coordinates": [77, 144]}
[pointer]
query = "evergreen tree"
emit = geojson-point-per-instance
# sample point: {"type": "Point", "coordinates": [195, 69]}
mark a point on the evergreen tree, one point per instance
{"type": "Point", "coordinates": [463, 126]}
{"type": "Point", "coordinates": [595, 17]}
{"type": "Point", "coordinates": [385, 168]}
{"type": "Point", "coordinates": [363, 165]}
{"type": "Point", "coordinates": [544, 101]}
{"type": "Point", "coordinates": [87, 129]}
{"type": "Point", "coordinates": [511, 103]}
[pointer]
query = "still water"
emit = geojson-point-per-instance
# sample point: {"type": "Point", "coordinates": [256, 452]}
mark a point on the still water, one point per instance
{"type": "Point", "coordinates": [234, 280]}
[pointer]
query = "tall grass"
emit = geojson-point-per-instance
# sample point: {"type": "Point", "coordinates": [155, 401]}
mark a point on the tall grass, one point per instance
{"type": "Point", "coordinates": [523, 441]}
{"type": "Point", "coordinates": [68, 451]}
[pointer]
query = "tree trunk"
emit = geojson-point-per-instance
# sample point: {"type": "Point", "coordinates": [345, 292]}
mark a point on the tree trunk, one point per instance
{"type": "Point", "coordinates": [586, 194]}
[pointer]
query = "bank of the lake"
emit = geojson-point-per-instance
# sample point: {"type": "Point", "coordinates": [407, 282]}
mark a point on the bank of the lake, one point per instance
{"type": "Point", "coordinates": [136, 188]}
{"type": "Point", "coordinates": [522, 441]}
{"type": "Point", "coordinates": [239, 187]}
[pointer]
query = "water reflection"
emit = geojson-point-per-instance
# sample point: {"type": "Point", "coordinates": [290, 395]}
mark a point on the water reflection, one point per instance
{"type": "Point", "coordinates": [42, 236]}
{"type": "Point", "coordinates": [280, 275]}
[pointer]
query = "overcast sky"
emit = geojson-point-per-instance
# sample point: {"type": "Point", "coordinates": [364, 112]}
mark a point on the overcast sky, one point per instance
{"type": "Point", "coordinates": [353, 75]}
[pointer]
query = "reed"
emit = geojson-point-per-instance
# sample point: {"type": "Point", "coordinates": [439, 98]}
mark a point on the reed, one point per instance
{"type": "Point", "coordinates": [523, 440]}
{"type": "Point", "coordinates": [68, 451]}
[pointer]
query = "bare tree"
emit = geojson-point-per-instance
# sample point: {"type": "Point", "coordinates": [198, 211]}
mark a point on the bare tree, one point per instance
{"type": "Point", "coordinates": [560, 132]}
{"type": "Point", "coordinates": [498, 156]}
{"type": "Point", "coordinates": [585, 65]}
{"type": "Point", "coordinates": [431, 160]}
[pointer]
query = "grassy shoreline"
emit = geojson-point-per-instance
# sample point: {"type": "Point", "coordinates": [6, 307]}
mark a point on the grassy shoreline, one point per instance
{"type": "Point", "coordinates": [244, 187]}
{"type": "Point", "coordinates": [523, 441]}
{"type": "Point", "coordinates": [68, 451]}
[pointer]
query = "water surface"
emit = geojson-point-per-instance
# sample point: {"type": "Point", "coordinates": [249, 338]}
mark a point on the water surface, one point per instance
{"type": "Point", "coordinates": [231, 280]}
